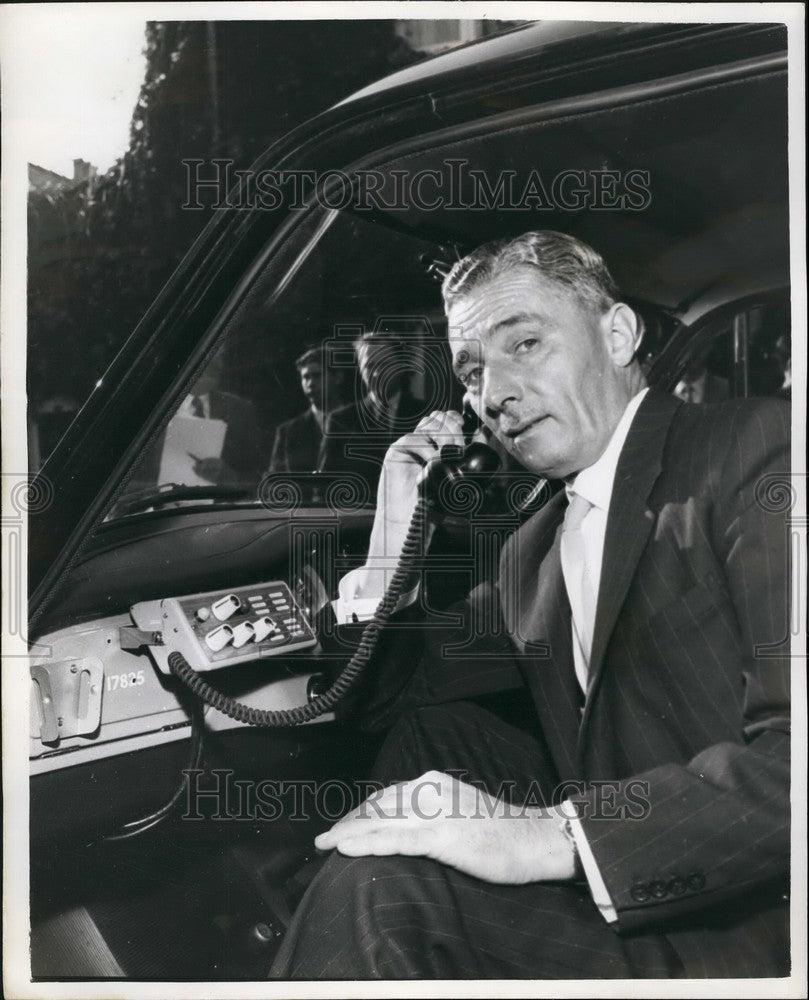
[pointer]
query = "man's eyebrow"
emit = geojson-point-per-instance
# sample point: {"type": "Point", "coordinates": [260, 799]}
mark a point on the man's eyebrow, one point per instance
{"type": "Point", "coordinates": [516, 319]}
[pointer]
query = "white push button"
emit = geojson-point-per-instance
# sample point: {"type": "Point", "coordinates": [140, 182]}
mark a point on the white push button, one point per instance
{"type": "Point", "coordinates": [263, 627]}
{"type": "Point", "coordinates": [203, 614]}
{"type": "Point", "coordinates": [225, 607]}
{"type": "Point", "coordinates": [219, 638]}
{"type": "Point", "coordinates": [242, 634]}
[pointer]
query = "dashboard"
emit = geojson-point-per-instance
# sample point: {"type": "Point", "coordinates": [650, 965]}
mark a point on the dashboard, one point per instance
{"type": "Point", "coordinates": [100, 688]}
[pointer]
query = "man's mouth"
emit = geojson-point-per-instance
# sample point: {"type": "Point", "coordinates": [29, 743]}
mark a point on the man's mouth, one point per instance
{"type": "Point", "coordinates": [513, 433]}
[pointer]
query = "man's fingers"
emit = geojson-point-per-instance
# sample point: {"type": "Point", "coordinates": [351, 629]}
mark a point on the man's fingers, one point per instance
{"type": "Point", "coordinates": [412, 447]}
{"type": "Point", "coordinates": [402, 807]}
{"type": "Point", "coordinates": [411, 841]}
{"type": "Point", "coordinates": [326, 841]}
{"type": "Point", "coordinates": [357, 824]}
{"type": "Point", "coordinates": [440, 428]}
{"type": "Point", "coordinates": [444, 427]}
{"type": "Point", "coordinates": [428, 438]}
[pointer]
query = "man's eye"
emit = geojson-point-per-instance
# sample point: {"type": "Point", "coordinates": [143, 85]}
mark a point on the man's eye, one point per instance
{"type": "Point", "coordinates": [526, 345]}
{"type": "Point", "coordinates": [471, 379]}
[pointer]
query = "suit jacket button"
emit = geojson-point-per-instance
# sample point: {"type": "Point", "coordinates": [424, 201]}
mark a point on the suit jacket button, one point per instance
{"type": "Point", "coordinates": [640, 892]}
{"type": "Point", "coordinates": [695, 881]}
{"type": "Point", "coordinates": [658, 889]}
{"type": "Point", "coordinates": [677, 886]}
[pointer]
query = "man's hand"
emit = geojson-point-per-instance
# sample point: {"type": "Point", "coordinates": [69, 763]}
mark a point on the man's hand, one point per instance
{"type": "Point", "coordinates": [436, 816]}
{"type": "Point", "coordinates": [406, 458]}
{"type": "Point", "coordinates": [398, 493]}
{"type": "Point", "coordinates": [212, 469]}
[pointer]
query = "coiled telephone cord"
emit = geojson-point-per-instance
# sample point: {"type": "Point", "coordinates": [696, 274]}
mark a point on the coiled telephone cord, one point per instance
{"type": "Point", "coordinates": [347, 678]}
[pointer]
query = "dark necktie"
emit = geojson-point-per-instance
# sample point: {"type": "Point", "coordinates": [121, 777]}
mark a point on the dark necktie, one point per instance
{"type": "Point", "coordinates": [197, 409]}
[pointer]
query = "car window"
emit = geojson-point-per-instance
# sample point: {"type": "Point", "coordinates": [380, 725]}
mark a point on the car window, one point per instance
{"type": "Point", "coordinates": [745, 353]}
{"type": "Point", "coordinates": [768, 349]}
{"type": "Point", "coordinates": [351, 351]}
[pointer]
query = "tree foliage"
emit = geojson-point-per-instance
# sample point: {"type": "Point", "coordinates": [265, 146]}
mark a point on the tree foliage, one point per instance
{"type": "Point", "coordinates": [100, 251]}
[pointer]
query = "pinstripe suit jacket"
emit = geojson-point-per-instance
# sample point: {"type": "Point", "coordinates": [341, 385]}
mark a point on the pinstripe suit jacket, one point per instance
{"type": "Point", "coordinates": [687, 707]}
{"type": "Point", "coordinates": [686, 713]}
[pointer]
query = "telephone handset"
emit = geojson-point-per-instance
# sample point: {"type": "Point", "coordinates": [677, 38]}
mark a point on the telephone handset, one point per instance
{"type": "Point", "coordinates": [454, 468]}
{"type": "Point", "coordinates": [477, 463]}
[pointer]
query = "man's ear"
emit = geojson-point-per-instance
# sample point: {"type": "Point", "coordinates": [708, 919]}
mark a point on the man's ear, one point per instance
{"type": "Point", "coordinates": [624, 332]}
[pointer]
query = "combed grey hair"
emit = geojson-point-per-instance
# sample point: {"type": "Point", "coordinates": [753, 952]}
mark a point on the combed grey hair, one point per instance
{"type": "Point", "coordinates": [557, 256]}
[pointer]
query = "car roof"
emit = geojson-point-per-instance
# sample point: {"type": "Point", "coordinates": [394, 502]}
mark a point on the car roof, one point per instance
{"type": "Point", "coordinates": [523, 40]}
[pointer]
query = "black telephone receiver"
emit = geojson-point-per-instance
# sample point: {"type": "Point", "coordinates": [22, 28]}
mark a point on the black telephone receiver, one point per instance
{"type": "Point", "coordinates": [476, 463]}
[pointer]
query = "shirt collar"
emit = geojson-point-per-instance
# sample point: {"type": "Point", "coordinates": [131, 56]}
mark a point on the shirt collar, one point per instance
{"type": "Point", "coordinates": [595, 482]}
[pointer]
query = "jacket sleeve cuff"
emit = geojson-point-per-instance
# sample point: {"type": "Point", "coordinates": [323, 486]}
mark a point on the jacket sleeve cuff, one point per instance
{"type": "Point", "coordinates": [598, 889]}
{"type": "Point", "coordinates": [359, 594]}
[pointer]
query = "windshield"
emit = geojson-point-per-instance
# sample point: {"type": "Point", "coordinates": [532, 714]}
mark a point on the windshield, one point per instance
{"type": "Point", "coordinates": [310, 387]}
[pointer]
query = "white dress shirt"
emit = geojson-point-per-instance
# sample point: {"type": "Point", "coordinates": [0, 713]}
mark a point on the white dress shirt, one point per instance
{"type": "Point", "coordinates": [595, 484]}
{"type": "Point", "coordinates": [361, 590]}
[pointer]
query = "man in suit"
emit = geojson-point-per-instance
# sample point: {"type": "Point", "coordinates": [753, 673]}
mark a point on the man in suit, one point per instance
{"type": "Point", "coordinates": [357, 436]}
{"type": "Point", "coordinates": [632, 817]}
{"type": "Point", "coordinates": [698, 386]}
{"type": "Point", "coordinates": [298, 441]}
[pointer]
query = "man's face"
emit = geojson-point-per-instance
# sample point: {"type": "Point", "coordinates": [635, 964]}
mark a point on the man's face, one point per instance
{"type": "Point", "coordinates": [312, 382]}
{"type": "Point", "coordinates": [538, 365]}
{"type": "Point", "coordinates": [381, 368]}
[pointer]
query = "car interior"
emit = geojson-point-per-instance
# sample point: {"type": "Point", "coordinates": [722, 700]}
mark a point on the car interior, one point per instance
{"type": "Point", "coordinates": [123, 883]}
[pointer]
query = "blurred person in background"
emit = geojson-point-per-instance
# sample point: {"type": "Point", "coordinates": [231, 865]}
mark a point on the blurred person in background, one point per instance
{"type": "Point", "coordinates": [357, 436]}
{"type": "Point", "coordinates": [698, 386]}
{"type": "Point", "coordinates": [298, 441]}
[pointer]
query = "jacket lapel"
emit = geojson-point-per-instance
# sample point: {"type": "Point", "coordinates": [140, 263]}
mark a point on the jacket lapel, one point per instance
{"type": "Point", "coordinates": [629, 524]}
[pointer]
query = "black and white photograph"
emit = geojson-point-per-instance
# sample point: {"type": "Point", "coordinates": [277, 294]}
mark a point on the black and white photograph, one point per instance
{"type": "Point", "coordinates": [404, 499]}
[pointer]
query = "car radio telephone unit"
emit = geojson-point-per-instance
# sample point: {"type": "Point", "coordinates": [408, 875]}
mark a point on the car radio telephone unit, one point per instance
{"type": "Point", "coordinates": [224, 628]}
{"type": "Point", "coordinates": [188, 636]}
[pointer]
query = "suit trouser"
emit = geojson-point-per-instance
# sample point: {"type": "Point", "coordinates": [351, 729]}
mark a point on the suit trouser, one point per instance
{"type": "Point", "coordinates": [402, 917]}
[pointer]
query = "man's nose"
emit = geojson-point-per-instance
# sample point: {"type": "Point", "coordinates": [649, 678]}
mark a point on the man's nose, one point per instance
{"type": "Point", "coordinates": [501, 386]}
